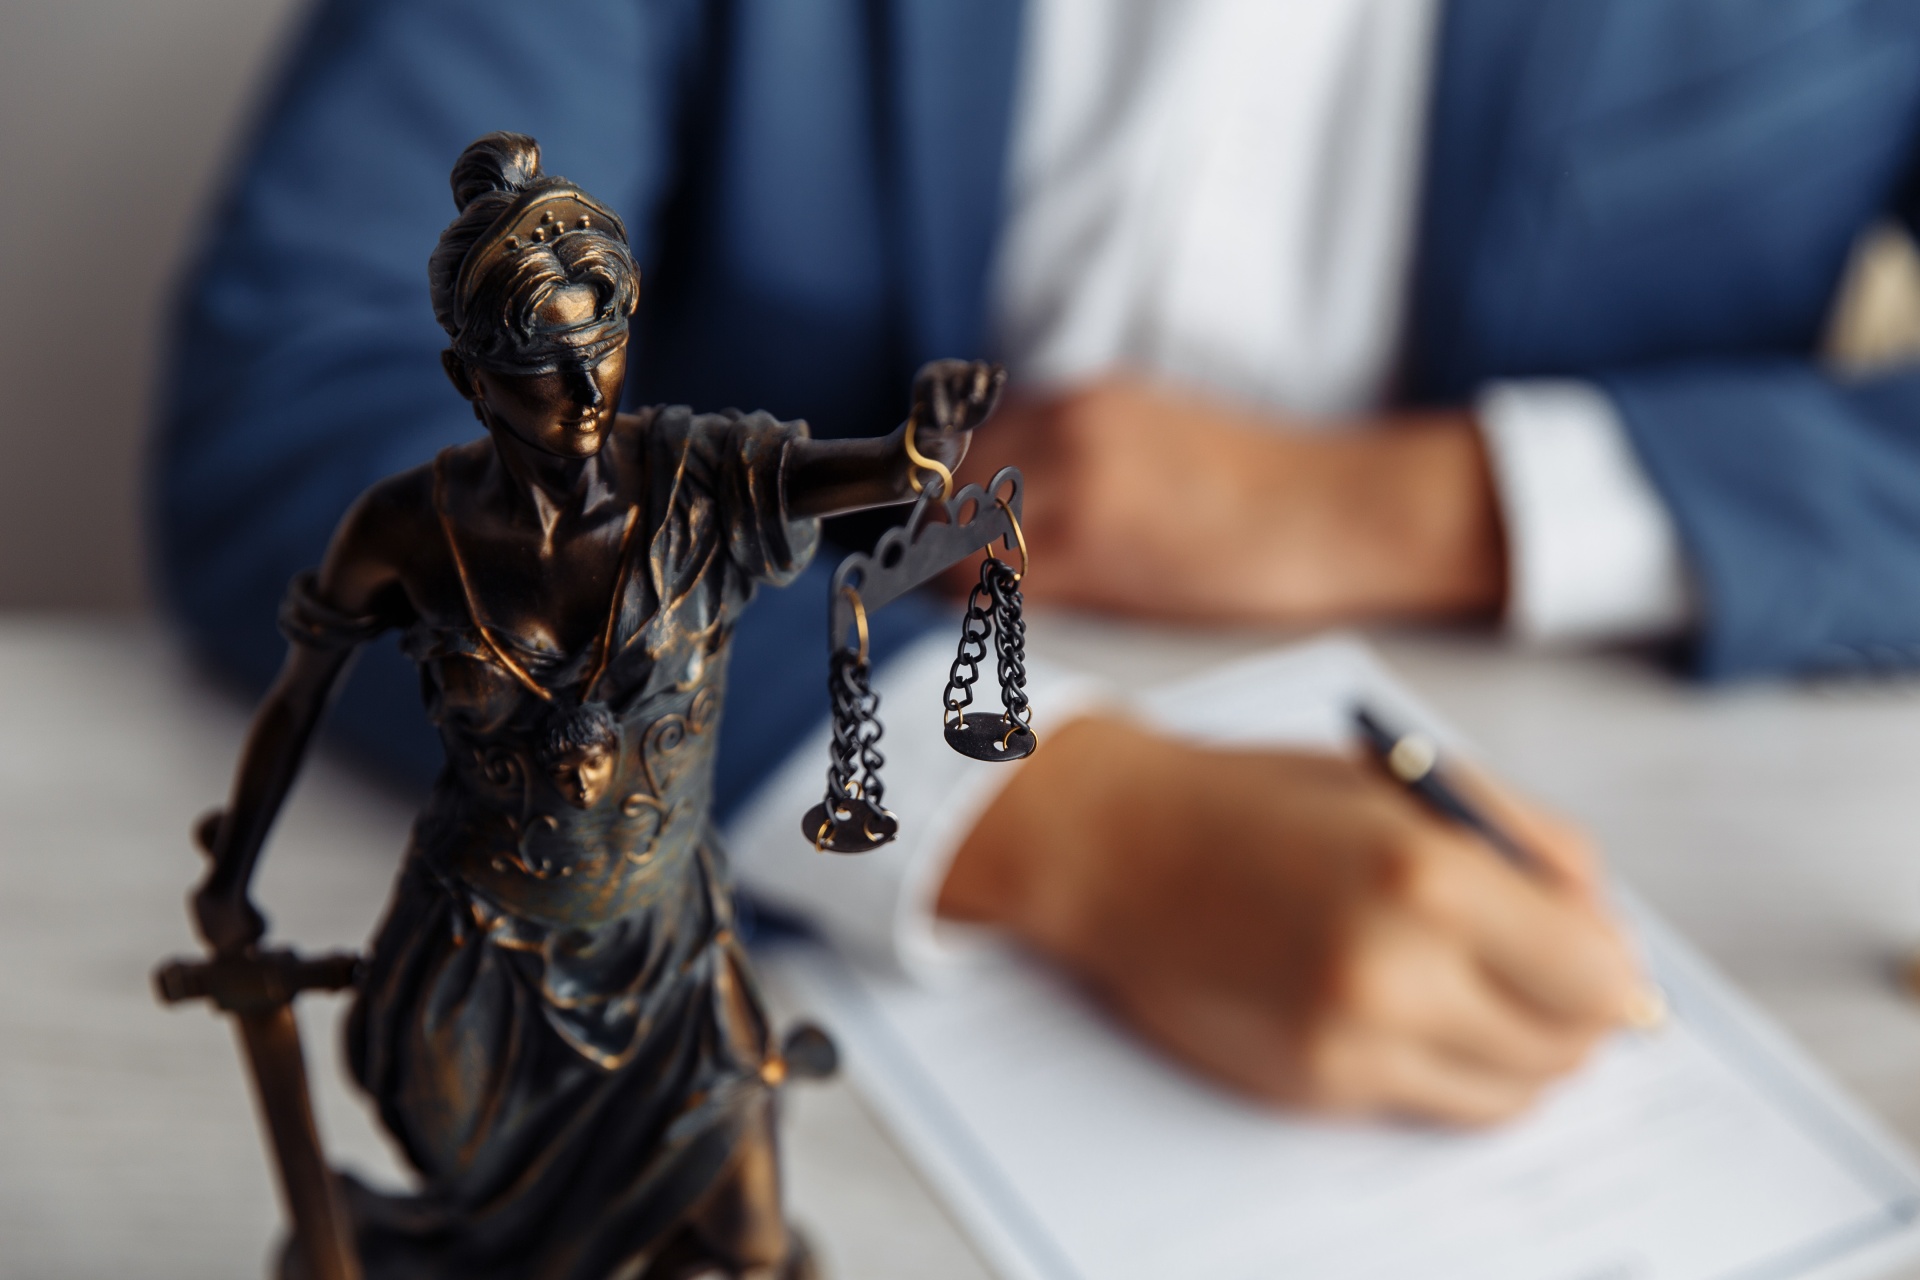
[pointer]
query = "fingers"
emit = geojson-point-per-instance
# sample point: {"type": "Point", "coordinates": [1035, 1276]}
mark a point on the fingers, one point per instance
{"type": "Point", "coordinates": [1341, 1065]}
{"type": "Point", "coordinates": [1545, 945]}
{"type": "Point", "coordinates": [1557, 842]}
{"type": "Point", "coordinates": [1593, 975]}
{"type": "Point", "coordinates": [1410, 1024]}
{"type": "Point", "coordinates": [1414, 1080]}
{"type": "Point", "coordinates": [1417, 983]}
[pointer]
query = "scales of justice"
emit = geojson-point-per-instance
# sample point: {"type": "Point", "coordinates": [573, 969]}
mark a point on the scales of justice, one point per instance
{"type": "Point", "coordinates": [556, 1020]}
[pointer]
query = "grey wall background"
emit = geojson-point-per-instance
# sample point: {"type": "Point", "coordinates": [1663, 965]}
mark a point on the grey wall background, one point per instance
{"type": "Point", "coordinates": [115, 115]}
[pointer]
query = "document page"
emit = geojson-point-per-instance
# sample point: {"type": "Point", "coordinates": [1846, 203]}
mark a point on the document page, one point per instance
{"type": "Point", "coordinates": [1709, 1149]}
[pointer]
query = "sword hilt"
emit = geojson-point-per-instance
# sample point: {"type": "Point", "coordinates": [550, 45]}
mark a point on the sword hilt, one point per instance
{"type": "Point", "coordinates": [258, 988]}
{"type": "Point", "coordinates": [254, 981]}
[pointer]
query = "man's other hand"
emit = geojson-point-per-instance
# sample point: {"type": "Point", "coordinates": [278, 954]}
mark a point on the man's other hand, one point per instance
{"type": "Point", "coordinates": [1144, 501]}
{"type": "Point", "coordinates": [1298, 926]}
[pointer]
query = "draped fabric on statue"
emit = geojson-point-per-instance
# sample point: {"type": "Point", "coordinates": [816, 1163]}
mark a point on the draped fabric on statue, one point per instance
{"type": "Point", "coordinates": [558, 1023]}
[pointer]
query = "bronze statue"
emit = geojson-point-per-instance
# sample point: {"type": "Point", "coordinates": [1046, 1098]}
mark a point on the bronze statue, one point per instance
{"type": "Point", "coordinates": [557, 1020]}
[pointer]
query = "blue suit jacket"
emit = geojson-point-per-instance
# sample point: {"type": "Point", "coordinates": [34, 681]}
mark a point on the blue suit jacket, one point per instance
{"type": "Point", "coordinates": [1659, 195]}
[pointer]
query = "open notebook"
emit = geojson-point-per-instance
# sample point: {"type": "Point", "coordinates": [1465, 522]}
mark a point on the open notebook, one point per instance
{"type": "Point", "coordinates": [1709, 1150]}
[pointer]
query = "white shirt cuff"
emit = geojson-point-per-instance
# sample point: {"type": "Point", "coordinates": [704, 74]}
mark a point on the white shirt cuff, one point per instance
{"type": "Point", "coordinates": [1592, 552]}
{"type": "Point", "coordinates": [879, 906]}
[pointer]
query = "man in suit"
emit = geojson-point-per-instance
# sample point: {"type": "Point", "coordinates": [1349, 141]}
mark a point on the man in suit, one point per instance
{"type": "Point", "coordinates": [1315, 310]}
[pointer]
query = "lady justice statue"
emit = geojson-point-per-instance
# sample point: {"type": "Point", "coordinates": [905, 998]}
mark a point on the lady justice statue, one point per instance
{"type": "Point", "coordinates": [556, 1020]}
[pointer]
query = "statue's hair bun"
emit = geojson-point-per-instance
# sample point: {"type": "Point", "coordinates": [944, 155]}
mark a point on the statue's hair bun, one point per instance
{"type": "Point", "coordinates": [508, 162]}
{"type": "Point", "coordinates": [497, 180]}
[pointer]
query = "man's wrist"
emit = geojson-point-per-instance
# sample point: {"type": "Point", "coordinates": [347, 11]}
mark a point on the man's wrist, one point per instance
{"type": "Point", "coordinates": [1398, 518]}
{"type": "Point", "coordinates": [1444, 541]}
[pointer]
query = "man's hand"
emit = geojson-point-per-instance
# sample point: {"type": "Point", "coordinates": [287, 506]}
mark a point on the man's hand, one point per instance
{"type": "Point", "coordinates": [1298, 926]}
{"type": "Point", "coordinates": [1143, 502]}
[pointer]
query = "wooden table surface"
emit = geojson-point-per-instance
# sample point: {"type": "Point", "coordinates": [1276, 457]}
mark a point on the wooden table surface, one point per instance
{"type": "Point", "coordinates": [1777, 826]}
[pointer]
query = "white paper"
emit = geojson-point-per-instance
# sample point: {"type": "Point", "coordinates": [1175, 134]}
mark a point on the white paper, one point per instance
{"type": "Point", "coordinates": [1711, 1149]}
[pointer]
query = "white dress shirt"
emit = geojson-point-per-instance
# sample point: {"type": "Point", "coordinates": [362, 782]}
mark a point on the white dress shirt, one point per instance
{"type": "Point", "coordinates": [1221, 194]}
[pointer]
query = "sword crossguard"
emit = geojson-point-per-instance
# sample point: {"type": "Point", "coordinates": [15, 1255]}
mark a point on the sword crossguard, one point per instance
{"type": "Point", "coordinates": [257, 988]}
{"type": "Point", "coordinates": [254, 981]}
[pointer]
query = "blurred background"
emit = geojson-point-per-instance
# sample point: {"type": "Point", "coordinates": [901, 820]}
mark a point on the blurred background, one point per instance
{"type": "Point", "coordinates": [115, 116]}
{"type": "Point", "coordinates": [115, 119]}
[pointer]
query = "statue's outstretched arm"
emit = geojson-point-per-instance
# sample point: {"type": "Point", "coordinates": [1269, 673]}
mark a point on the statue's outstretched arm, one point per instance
{"type": "Point", "coordinates": [950, 399]}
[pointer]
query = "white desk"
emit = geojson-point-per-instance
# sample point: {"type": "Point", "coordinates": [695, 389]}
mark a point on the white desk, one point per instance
{"type": "Point", "coordinates": [1776, 826]}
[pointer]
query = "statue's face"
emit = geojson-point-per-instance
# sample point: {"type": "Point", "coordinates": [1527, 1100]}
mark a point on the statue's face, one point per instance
{"type": "Point", "coordinates": [570, 411]}
{"type": "Point", "coordinates": [583, 776]}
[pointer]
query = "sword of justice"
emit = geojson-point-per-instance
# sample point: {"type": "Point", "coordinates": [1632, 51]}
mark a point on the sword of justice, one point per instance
{"type": "Point", "coordinates": [258, 988]}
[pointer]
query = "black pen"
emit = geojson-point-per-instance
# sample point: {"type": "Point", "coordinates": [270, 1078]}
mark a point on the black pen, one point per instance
{"type": "Point", "coordinates": [1413, 760]}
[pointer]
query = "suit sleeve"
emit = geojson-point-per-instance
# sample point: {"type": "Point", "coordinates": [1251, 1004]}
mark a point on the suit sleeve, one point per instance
{"type": "Point", "coordinates": [1797, 495]}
